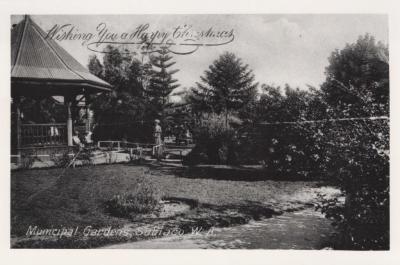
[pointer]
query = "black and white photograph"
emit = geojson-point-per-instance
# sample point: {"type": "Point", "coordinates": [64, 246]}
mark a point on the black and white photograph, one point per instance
{"type": "Point", "coordinates": [199, 131]}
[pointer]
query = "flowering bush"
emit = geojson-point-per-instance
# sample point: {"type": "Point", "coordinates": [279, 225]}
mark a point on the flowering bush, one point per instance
{"type": "Point", "coordinates": [144, 198]}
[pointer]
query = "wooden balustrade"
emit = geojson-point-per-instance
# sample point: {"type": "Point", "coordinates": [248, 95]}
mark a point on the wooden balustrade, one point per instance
{"type": "Point", "coordinates": [48, 134]}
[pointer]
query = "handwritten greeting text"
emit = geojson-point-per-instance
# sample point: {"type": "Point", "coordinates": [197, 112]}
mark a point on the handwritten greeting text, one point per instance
{"type": "Point", "coordinates": [181, 39]}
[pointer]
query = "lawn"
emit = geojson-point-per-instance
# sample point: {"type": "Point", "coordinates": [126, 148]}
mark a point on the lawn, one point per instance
{"type": "Point", "coordinates": [77, 198]}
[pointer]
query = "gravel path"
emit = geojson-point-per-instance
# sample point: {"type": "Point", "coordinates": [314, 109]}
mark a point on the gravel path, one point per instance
{"type": "Point", "coordinates": [305, 229]}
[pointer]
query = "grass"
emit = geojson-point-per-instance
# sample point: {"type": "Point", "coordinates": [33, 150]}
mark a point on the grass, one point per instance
{"type": "Point", "coordinates": [78, 198]}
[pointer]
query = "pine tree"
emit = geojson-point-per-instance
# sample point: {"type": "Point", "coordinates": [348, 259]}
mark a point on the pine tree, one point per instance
{"type": "Point", "coordinates": [226, 86]}
{"type": "Point", "coordinates": [161, 84]}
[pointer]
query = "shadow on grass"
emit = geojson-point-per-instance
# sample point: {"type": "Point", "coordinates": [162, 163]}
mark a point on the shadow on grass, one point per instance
{"type": "Point", "coordinates": [228, 172]}
{"type": "Point", "coordinates": [200, 216]}
{"type": "Point", "coordinates": [237, 173]}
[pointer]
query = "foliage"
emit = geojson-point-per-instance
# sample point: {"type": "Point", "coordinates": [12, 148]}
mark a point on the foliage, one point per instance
{"type": "Point", "coordinates": [119, 113]}
{"type": "Point", "coordinates": [161, 84]}
{"type": "Point", "coordinates": [282, 147]}
{"type": "Point", "coordinates": [357, 81]}
{"type": "Point", "coordinates": [27, 160]}
{"type": "Point", "coordinates": [42, 110]}
{"type": "Point", "coordinates": [140, 95]}
{"type": "Point", "coordinates": [216, 140]}
{"type": "Point", "coordinates": [86, 156]}
{"type": "Point", "coordinates": [358, 152]}
{"type": "Point", "coordinates": [352, 154]}
{"type": "Point", "coordinates": [224, 98]}
{"type": "Point", "coordinates": [62, 160]}
{"type": "Point", "coordinates": [226, 86]}
{"type": "Point", "coordinates": [95, 66]}
{"type": "Point", "coordinates": [234, 126]}
{"type": "Point", "coordinates": [178, 120]}
{"type": "Point", "coordinates": [144, 198]}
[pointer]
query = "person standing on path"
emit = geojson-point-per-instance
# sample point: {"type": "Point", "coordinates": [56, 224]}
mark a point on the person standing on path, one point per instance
{"type": "Point", "coordinates": [158, 150]}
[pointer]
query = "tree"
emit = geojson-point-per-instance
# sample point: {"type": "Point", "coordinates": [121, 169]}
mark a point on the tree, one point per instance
{"type": "Point", "coordinates": [226, 86]}
{"type": "Point", "coordinates": [161, 85]}
{"type": "Point", "coordinates": [358, 78]}
{"type": "Point", "coordinates": [357, 152]}
{"type": "Point", "coordinates": [225, 96]}
{"type": "Point", "coordinates": [42, 110]}
{"type": "Point", "coordinates": [284, 149]}
{"type": "Point", "coordinates": [117, 113]}
{"type": "Point", "coordinates": [180, 118]}
{"type": "Point", "coordinates": [95, 67]}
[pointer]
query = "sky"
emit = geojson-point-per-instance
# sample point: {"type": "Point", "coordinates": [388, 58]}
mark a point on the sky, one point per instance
{"type": "Point", "coordinates": [280, 49]}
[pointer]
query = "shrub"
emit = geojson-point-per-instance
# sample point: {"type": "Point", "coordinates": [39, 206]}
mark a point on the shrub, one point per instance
{"type": "Point", "coordinates": [359, 161]}
{"type": "Point", "coordinates": [216, 140]}
{"type": "Point", "coordinates": [62, 160]}
{"type": "Point", "coordinates": [144, 198]}
{"type": "Point", "coordinates": [27, 160]}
